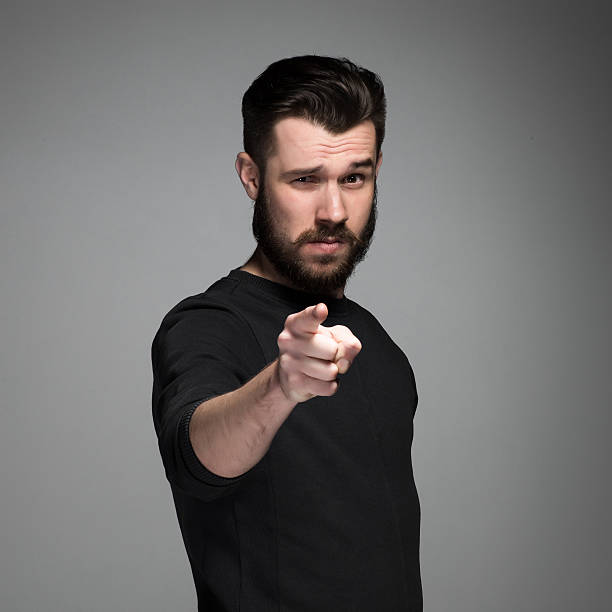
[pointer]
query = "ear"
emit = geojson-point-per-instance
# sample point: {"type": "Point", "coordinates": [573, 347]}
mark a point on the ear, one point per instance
{"type": "Point", "coordinates": [378, 162]}
{"type": "Point", "coordinates": [248, 173]}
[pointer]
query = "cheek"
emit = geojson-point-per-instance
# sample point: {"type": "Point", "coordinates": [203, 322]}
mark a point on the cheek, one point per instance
{"type": "Point", "coordinates": [361, 209]}
{"type": "Point", "coordinates": [293, 211]}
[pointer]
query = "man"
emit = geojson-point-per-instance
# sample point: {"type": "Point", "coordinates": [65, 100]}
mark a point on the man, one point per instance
{"type": "Point", "coordinates": [283, 409]}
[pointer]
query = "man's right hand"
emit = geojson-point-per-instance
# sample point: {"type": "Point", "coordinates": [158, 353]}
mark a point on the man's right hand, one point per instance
{"type": "Point", "coordinates": [311, 356]}
{"type": "Point", "coordinates": [230, 433]}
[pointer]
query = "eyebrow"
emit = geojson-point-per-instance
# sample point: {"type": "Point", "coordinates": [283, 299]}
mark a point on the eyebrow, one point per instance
{"type": "Point", "coordinates": [364, 163]}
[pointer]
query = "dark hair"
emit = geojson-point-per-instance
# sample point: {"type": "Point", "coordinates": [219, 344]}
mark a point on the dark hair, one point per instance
{"type": "Point", "coordinates": [331, 92]}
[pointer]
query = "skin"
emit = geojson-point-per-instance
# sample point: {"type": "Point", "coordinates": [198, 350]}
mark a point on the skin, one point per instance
{"type": "Point", "coordinates": [232, 432]}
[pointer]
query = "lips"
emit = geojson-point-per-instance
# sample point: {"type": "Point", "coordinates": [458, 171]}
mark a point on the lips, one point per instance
{"type": "Point", "coordinates": [326, 246]}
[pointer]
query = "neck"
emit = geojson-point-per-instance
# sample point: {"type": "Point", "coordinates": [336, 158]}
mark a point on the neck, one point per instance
{"type": "Point", "coordinates": [259, 265]}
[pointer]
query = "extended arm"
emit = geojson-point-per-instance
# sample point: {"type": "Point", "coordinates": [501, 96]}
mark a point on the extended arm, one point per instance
{"type": "Point", "coordinates": [232, 432]}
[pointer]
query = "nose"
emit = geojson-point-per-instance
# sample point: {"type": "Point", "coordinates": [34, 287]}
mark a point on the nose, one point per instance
{"type": "Point", "coordinates": [332, 210]}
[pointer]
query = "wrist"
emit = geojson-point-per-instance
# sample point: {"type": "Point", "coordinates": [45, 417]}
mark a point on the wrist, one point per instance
{"type": "Point", "coordinates": [271, 402]}
{"type": "Point", "coordinates": [275, 386]}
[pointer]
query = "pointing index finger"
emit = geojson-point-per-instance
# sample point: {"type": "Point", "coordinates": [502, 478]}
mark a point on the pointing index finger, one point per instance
{"type": "Point", "coordinates": [308, 320]}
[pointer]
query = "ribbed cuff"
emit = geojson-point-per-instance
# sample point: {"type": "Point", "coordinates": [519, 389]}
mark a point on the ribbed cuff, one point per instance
{"type": "Point", "coordinates": [193, 464]}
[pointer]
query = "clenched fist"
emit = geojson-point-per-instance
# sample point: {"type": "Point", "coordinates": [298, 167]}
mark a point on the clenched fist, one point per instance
{"type": "Point", "coordinates": [311, 356]}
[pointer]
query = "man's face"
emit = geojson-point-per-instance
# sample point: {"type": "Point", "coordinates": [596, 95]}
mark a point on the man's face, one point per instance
{"type": "Point", "coordinates": [316, 210]}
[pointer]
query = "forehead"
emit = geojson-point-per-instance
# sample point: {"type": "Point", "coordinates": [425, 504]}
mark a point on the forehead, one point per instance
{"type": "Point", "coordinates": [299, 141]}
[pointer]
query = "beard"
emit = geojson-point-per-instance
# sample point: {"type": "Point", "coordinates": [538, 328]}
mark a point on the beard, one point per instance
{"type": "Point", "coordinates": [330, 271]}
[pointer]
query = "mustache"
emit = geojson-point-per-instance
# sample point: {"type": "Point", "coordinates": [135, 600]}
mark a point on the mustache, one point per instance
{"type": "Point", "coordinates": [341, 233]}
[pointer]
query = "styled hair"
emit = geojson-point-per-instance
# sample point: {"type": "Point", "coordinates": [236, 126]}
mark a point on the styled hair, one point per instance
{"type": "Point", "coordinates": [333, 93]}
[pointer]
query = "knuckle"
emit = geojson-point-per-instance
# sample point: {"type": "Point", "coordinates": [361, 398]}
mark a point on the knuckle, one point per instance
{"type": "Point", "coordinates": [283, 338]}
{"type": "Point", "coordinates": [292, 319]}
{"type": "Point", "coordinates": [324, 332]}
{"type": "Point", "coordinates": [322, 388]}
{"type": "Point", "coordinates": [330, 344]}
{"type": "Point", "coordinates": [332, 387]}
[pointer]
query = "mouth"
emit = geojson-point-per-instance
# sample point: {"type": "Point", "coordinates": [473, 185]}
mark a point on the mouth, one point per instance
{"type": "Point", "coordinates": [328, 241]}
{"type": "Point", "coordinates": [327, 245]}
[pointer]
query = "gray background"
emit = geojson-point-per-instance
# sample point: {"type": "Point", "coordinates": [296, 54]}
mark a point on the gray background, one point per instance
{"type": "Point", "coordinates": [120, 122]}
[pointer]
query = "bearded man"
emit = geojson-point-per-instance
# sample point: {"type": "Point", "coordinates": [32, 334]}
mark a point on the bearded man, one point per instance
{"type": "Point", "coordinates": [284, 411]}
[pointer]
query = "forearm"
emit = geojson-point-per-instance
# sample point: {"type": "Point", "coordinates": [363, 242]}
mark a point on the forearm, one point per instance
{"type": "Point", "coordinates": [232, 432]}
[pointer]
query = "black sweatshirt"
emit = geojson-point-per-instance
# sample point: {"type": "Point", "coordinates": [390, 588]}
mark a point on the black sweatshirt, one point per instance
{"type": "Point", "coordinates": [329, 519]}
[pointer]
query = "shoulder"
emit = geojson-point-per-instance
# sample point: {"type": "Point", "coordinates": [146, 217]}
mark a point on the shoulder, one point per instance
{"type": "Point", "coordinates": [372, 330]}
{"type": "Point", "coordinates": [217, 297]}
{"type": "Point", "coordinates": [212, 314]}
{"type": "Point", "coordinates": [365, 317]}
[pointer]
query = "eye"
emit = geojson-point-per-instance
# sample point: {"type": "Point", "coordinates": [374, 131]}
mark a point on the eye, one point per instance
{"type": "Point", "coordinates": [304, 179]}
{"type": "Point", "coordinates": [354, 179]}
